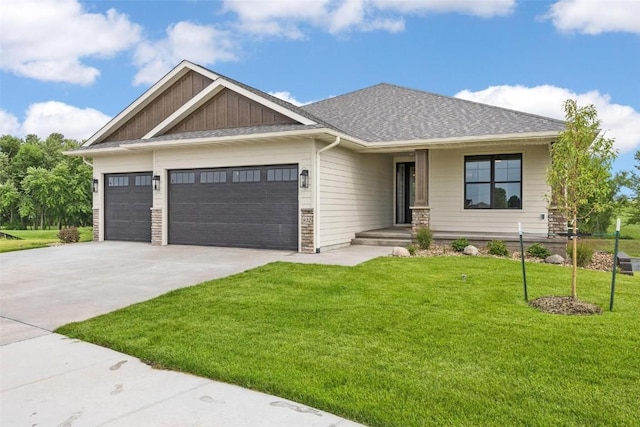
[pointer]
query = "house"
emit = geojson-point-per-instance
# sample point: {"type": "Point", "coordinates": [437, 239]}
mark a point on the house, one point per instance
{"type": "Point", "coordinates": [201, 159]}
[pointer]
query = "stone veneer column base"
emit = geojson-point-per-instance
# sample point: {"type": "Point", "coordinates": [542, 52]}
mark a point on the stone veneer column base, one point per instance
{"type": "Point", "coordinates": [96, 225]}
{"type": "Point", "coordinates": [156, 226]}
{"type": "Point", "coordinates": [420, 218]}
{"type": "Point", "coordinates": [556, 223]}
{"type": "Point", "coordinates": [307, 245]}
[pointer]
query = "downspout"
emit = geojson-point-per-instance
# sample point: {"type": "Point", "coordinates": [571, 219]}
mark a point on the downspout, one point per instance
{"type": "Point", "coordinates": [316, 229]}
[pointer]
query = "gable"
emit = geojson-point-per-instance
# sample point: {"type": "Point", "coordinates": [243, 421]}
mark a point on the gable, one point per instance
{"type": "Point", "coordinates": [228, 109]}
{"type": "Point", "coordinates": [160, 108]}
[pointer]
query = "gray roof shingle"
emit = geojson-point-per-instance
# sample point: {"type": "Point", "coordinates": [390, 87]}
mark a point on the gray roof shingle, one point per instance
{"type": "Point", "coordinates": [214, 133]}
{"type": "Point", "coordinates": [386, 112]}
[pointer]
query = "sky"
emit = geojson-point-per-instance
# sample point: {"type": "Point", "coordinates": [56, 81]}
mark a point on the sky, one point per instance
{"type": "Point", "coordinates": [69, 66]}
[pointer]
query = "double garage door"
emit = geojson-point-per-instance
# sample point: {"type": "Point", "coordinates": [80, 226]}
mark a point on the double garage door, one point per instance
{"type": "Point", "coordinates": [251, 207]}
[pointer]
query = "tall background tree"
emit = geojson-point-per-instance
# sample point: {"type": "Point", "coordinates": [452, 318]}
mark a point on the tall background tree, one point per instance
{"type": "Point", "coordinates": [580, 171]}
{"type": "Point", "coordinates": [40, 186]}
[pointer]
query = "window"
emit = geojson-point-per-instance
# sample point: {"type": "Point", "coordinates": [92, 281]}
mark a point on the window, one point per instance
{"type": "Point", "coordinates": [246, 175]}
{"type": "Point", "coordinates": [215, 177]}
{"type": "Point", "coordinates": [118, 181]}
{"type": "Point", "coordinates": [282, 174]}
{"type": "Point", "coordinates": [183, 177]}
{"type": "Point", "coordinates": [493, 182]}
{"type": "Point", "coordinates": [143, 180]}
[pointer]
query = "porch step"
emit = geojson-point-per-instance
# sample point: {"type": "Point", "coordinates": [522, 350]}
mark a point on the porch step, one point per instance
{"type": "Point", "coordinates": [625, 263]}
{"type": "Point", "coordinates": [392, 236]}
{"type": "Point", "coordinates": [380, 242]}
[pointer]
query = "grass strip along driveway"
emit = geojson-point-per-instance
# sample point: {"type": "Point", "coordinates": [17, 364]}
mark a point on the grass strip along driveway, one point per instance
{"type": "Point", "coordinates": [400, 342]}
{"type": "Point", "coordinates": [31, 239]}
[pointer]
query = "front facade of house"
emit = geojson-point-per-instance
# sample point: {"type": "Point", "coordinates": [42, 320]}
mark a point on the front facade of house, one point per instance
{"type": "Point", "coordinates": [202, 159]}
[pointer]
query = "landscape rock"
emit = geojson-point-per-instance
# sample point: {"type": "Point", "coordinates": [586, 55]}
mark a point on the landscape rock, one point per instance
{"type": "Point", "coordinates": [400, 252]}
{"type": "Point", "coordinates": [554, 259]}
{"type": "Point", "coordinates": [471, 250]}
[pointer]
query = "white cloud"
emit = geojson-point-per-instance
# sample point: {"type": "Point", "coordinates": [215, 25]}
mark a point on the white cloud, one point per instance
{"type": "Point", "coordinates": [44, 118]}
{"type": "Point", "coordinates": [9, 124]}
{"type": "Point", "coordinates": [285, 17]}
{"type": "Point", "coordinates": [49, 39]}
{"type": "Point", "coordinates": [286, 96]}
{"type": "Point", "coordinates": [595, 17]}
{"type": "Point", "coordinates": [621, 122]}
{"type": "Point", "coordinates": [201, 44]}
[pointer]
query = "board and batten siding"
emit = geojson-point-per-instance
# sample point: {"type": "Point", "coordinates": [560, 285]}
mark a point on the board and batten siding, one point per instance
{"type": "Point", "coordinates": [446, 193]}
{"type": "Point", "coordinates": [356, 194]}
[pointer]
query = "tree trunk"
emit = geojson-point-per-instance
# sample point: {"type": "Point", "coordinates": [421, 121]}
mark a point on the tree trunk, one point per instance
{"type": "Point", "coordinates": [574, 257]}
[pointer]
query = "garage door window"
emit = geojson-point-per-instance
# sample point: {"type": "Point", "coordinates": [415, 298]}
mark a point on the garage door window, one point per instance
{"type": "Point", "coordinates": [246, 175]}
{"type": "Point", "coordinates": [142, 180]}
{"type": "Point", "coordinates": [183, 177]}
{"type": "Point", "coordinates": [118, 181]}
{"type": "Point", "coordinates": [215, 177]}
{"type": "Point", "coordinates": [282, 174]}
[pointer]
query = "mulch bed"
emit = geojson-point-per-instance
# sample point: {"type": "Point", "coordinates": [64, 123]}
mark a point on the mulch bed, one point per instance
{"type": "Point", "coordinates": [565, 305]}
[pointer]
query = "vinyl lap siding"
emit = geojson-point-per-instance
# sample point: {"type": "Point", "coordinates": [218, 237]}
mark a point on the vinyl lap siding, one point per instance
{"type": "Point", "coordinates": [355, 194]}
{"type": "Point", "coordinates": [274, 153]}
{"type": "Point", "coordinates": [447, 193]}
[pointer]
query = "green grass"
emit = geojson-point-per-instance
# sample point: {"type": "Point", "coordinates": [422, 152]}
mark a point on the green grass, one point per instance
{"type": "Point", "coordinates": [31, 239]}
{"type": "Point", "coordinates": [400, 342]}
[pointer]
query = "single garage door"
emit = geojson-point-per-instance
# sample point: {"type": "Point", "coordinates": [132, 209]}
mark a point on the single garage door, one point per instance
{"type": "Point", "coordinates": [128, 198]}
{"type": "Point", "coordinates": [249, 207]}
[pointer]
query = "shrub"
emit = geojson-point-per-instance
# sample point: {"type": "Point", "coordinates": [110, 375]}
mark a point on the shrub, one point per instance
{"type": "Point", "coordinates": [539, 251]}
{"type": "Point", "coordinates": [585, 253]}
{"type": "Point", "coordinates": [69, 235]}
{"type": "Point", "coordinates": [497, 247]}
{"type": "Point", "coordinates": [458, 245]}
{"type": "Point", "coordinates": [412, 249]}
{"type": "Point", "coordinates": [424, 237]}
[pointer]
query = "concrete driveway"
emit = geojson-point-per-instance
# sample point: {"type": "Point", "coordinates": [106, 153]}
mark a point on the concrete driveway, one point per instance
{"type": "Point", "coordinates": [47, 379]}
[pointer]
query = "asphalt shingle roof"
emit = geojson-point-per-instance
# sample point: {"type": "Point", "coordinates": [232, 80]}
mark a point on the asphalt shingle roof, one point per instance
{"type": "Point", "coordinates": [387, 112]}
{"type": "Point", "coordinates": [214, 133]}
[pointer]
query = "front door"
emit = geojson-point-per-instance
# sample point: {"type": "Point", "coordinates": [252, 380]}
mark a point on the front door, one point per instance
{"type": "Point", "coordinates": [405, 191]}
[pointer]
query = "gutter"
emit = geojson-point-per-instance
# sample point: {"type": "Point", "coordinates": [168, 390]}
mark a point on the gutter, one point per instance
{"type": "Point", "coordinates": [316, 229]}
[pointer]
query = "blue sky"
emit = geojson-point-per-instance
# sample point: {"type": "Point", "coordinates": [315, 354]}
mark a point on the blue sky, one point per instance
{"type": "Point", "coordinates": [68, 66]}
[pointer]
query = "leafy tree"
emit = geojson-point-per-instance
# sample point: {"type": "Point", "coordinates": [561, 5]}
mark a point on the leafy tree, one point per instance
{"type": "Point", "coordinates": [10, 145]}
{"type": "Point", "coordinates": [580, 170]}
{"type": "Point", "coordinates": [40, 185]}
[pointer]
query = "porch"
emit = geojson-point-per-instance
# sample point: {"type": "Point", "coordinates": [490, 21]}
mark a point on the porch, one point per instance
{"type": "Point", "coordinates": [401, 236]}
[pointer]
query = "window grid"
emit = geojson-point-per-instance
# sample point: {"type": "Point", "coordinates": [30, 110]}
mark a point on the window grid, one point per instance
{"type": "Point", "coordinates": [143, 180]}
{"type": "Point", "coordinates": [183, 177]}
{"type": "Point", "coordinates": [282, 174]}
{"type": "Point", "coordinates": [215, 177]}
{"type": "Point", "coordinates": [246, 175]}
{"type": "Point", "coordinates": [493, 182]}
{"type": "Point", "coordinates": [118, 181]}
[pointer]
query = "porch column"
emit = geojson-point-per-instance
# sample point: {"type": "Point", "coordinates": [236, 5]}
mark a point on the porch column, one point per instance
{"type": "Point", "coordinates": [420, 212]}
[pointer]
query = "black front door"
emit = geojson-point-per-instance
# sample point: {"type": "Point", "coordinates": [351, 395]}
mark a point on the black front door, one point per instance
{"type": "Point", "coordinates": [405, 191]}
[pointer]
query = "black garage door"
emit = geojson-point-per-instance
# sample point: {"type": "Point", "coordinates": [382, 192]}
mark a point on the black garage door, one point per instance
{"type": "Point", "coordinates": [128, 198]}
{"type": "Point", "coordinates": [251, 207]}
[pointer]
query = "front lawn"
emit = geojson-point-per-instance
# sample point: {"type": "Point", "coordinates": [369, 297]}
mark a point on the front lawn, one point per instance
{"type": "Point", "coordinates": [400, 342]}
{"type": "Point", "coordinates": [30, 239]}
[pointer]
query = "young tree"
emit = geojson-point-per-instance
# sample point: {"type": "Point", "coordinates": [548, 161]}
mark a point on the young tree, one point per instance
{"type": "Point", "coordinates": [633, 183]}
{"type": "Point", "coordinates": [580, 170]}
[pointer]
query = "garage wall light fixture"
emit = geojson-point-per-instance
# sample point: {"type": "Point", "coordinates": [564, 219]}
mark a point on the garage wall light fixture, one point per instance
{"type": "Point", "coordinates": [304, 178]}
{"type": "Point", "coordinates": [156, 182]}
{"type": "Point", "coordinates": [95, 186]}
